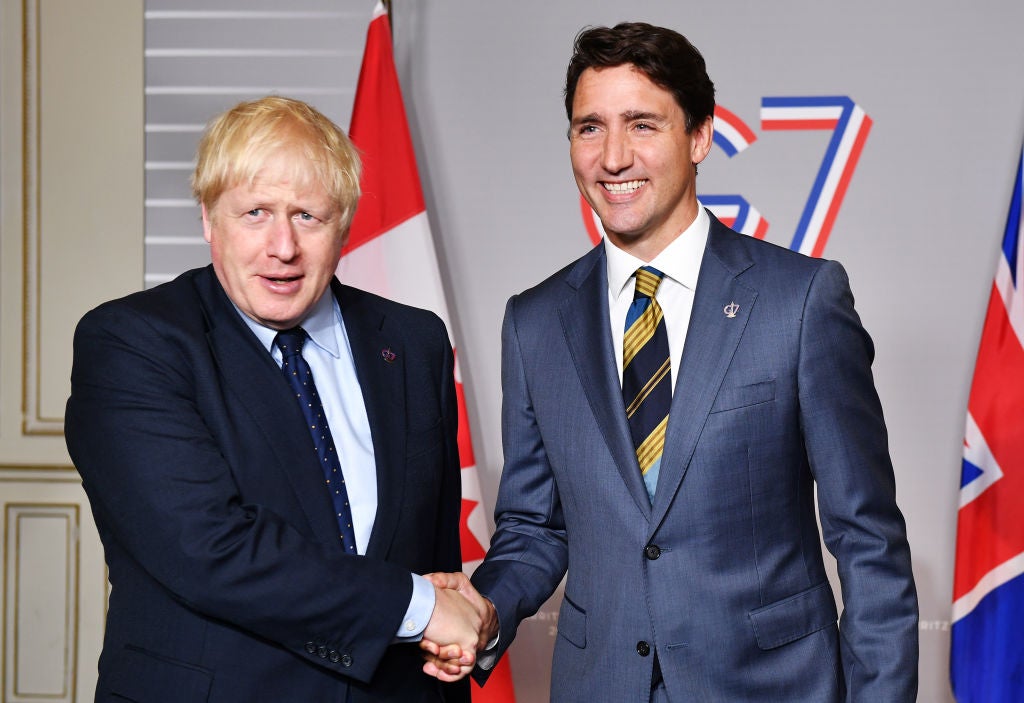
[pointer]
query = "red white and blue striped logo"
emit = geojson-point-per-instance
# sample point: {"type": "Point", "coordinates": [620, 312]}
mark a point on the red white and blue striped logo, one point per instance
{"type": "Point", "coordinates": [733, 136]}
{"type": "Point", "coordinates": [987, 654]}
{"type": "Point", "coordinates": [731, 133]}
{"type": "Point", "coordinates": [849, 125]}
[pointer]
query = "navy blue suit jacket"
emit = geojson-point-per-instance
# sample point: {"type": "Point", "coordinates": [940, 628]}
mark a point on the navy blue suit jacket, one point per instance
{"type": "Point", "coordinates": [227, 579]}
{"type": "Point", "coordinates": [721, 580]}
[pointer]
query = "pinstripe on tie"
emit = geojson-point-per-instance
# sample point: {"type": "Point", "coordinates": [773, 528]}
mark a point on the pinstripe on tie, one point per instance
{"type": "Point", "coordinates": [300, 379]}
{"type": "Point", "coordinates": [647, 375]}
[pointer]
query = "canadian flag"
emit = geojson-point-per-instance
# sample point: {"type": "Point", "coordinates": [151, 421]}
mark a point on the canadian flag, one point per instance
{"type": "Point", "coordinates": [391, 252]}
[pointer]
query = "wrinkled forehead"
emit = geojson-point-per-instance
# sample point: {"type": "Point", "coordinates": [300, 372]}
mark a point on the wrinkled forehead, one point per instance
{"type": "Point", "coordinates": [293, 163]}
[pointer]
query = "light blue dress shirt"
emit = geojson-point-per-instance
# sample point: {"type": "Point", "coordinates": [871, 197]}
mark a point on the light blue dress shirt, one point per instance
{"type": "Point", "coordinates": [329, 356]}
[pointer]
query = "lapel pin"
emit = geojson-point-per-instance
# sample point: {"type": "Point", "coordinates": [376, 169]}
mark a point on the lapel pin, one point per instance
{"type": "Point", "coordinates": [731, 309]}
{"type": "Point", "coordinates": [388, 355]}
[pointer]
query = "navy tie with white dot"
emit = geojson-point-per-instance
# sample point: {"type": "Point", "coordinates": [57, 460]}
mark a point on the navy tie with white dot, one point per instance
{"type": "Point", "coordinates": [300, 378]}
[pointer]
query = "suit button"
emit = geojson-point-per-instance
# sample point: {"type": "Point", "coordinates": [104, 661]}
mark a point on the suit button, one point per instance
{"type": "Point", "coordinates": [642, 648]}
{"type": "Point", "coordinates": [334, 656]}
{"type": "Point", "coordinates": [652, 551]}
{"type": "Point", "coordinates": [346, 660]}
{"type": "Point", "coordinates": [311, 647]}
{"type": "Point", "coordinates": [321, 652]}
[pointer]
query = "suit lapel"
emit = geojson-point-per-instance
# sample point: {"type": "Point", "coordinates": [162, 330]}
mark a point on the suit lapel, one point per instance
{"type": "Point", "coordinates": [584, 317]}
{"type": "Point", "coordinates": [711, 340]}
{"type": "Point", "coordinates": [250, 373]}
{"type": "Point", "coordinates": [383, 386]}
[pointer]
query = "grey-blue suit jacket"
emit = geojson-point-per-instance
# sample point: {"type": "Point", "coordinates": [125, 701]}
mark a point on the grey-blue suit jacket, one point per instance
{"type": "Point", "coordinates": [721, 579]}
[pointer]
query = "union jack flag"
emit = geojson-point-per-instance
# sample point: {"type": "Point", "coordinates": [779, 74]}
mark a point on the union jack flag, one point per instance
{"type": "Point", "coordinates": [987, 653]}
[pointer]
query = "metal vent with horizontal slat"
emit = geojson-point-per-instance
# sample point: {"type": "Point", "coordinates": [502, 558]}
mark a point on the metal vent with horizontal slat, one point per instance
{"type": "Point", "coordinates": [200, 62]}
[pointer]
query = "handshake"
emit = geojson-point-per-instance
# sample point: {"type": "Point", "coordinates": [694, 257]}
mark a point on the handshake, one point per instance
{"type": "Point", "coordinates": [462, 624]}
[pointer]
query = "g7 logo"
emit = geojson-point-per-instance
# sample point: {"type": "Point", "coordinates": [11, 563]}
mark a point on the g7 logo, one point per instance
{"type": "Point", "coordinates": [849, 125]}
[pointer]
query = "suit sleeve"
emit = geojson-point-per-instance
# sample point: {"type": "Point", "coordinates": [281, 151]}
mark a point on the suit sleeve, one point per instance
{"type": "Point", "coordinates": [165, 498]}
{"type": "Point", "coordinates": [448, 554]}
{"type": "Point", "coordinates": [847, 446]}
{"type": "Point", "coordinates": [528, 555]}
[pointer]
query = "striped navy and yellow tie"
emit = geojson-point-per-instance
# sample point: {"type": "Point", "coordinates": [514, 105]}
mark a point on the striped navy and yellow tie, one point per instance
{"type": "Point", "coordinates": [647, 375]}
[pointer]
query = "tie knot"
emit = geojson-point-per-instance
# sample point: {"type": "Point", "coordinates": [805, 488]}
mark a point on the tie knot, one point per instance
{"type": "Point", "coordinates": [648, 279]}
{"type": "Point", "coordinates": [290, 341]}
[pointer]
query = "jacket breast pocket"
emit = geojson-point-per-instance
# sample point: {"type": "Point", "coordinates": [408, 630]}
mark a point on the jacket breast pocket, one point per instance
{"type": "Point", "coordinates": [792, 618]}
{"type": "Point", "coordinates": [744, 396]}
{"type": "Point", "coordinates": [140, 675]}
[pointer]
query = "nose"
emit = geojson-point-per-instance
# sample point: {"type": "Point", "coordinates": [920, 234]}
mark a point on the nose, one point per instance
{"type": "Point", "coordinates": [281, 240]}
{"type": "Point", "coordinates": [616, 154]}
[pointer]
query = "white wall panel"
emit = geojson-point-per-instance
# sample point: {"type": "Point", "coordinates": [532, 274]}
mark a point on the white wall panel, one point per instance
{"type": "Point", "coordinates": [41, 584]}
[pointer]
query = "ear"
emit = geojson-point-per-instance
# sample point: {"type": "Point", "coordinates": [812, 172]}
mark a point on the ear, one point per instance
{"type": "Point", "coordinates": [207, 227]}
{"type": "Point", "coordinates": [701, 139]}
{"type": "Point", "coordinates": [342, 237]}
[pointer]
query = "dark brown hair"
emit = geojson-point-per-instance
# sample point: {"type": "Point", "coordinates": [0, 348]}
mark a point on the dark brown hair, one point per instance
{"type": "Point", "coordinates": [666, 57]}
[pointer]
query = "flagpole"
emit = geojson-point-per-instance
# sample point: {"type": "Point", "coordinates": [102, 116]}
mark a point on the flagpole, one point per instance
{"type": "Point", "coordinates": [391, 22]}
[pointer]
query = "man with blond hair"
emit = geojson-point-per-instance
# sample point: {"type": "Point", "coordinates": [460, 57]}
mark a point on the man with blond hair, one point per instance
{"type": "Point", "coordinates": [271, 455]}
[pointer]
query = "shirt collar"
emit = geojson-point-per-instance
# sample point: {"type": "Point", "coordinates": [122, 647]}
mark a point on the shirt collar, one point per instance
{"type": "Point", "coordinates": [680, 260]}
{"type": "Point", "coordinates": [319, 325]}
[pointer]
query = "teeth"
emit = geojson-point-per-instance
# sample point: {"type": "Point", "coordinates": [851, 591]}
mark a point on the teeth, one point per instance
{"type": "Point", "coordinates": [627, 187]}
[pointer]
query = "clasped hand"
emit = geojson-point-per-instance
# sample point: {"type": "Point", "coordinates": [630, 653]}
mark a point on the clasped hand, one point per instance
{"type": "Point", "coordinates": [462, 624]}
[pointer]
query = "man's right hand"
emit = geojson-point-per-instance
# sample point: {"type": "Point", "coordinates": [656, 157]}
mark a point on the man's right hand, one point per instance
{"type": "Point", "coordinates": [449, 661]}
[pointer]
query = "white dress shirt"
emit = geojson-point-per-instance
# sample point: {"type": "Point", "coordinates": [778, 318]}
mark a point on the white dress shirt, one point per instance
{"type": "Point", "coordinates": [680, 262]}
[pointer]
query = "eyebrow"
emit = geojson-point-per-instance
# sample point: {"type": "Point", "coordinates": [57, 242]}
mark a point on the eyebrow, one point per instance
{"type": "Point", "coordinates": [628, 116]}
{"type": "Point", "coordinates": [632, 115]}
{"type": "Point", "coordinates": [583, 119]}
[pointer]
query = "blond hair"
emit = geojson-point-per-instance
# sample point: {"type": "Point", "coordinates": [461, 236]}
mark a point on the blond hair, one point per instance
{"type": "Point", "coordinates": [237, 143]}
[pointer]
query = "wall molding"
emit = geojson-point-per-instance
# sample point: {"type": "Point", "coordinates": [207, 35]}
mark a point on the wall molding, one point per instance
{"type": "Point", "coordinates": [33, 422]}
{"type": "Point", "coordinates": [36, 613]}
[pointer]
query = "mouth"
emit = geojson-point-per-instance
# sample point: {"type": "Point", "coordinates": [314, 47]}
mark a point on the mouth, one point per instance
{"type": "Point", "coordinates": [625, 188]}
{"type": "Point", "coordinates": [282, 283]}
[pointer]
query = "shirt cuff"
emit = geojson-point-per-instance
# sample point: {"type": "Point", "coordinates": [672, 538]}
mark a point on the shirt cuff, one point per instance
{"type": "Point", "coordinates": [489, 657]}
{"type": "Point", "coordinates": [421, 606]}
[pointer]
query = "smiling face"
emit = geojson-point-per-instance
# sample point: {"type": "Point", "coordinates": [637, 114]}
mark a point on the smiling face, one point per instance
{"type": "Point", "coordinates": [633, 160]}
{"type": "Point", "coordinates": [275, 242]}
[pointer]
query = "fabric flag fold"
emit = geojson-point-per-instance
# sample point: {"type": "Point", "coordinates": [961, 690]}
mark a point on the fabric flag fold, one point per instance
{"type": "Point", "coordinates": [987, 650]}
{"type": "Point", "coordinates": [391, 252]}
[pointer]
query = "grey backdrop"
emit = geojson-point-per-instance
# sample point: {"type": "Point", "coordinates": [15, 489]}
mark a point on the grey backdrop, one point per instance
{"type": "Point", "coordinates": [919, 229]}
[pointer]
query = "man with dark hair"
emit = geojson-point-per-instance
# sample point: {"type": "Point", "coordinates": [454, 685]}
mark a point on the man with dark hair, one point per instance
{"type": "Point", "coordinates": [270, 455]}
{"type": "Point", "coordinates": [665, 57]}
{"type": "Point", "coordinates": [673, 400]}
